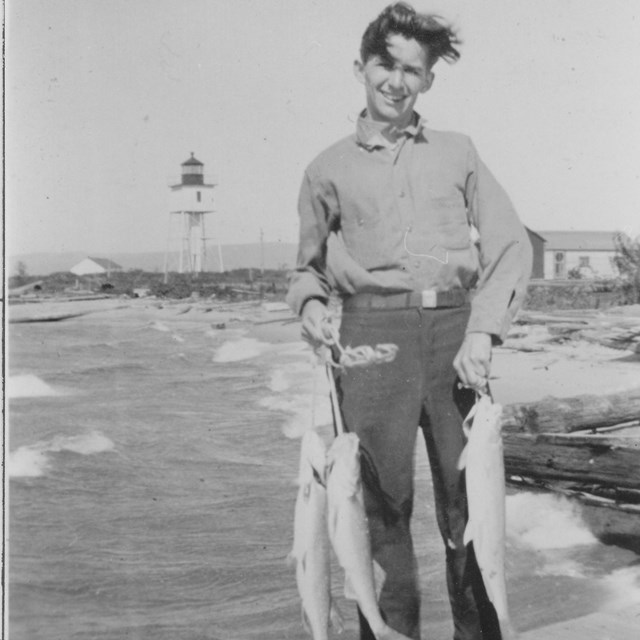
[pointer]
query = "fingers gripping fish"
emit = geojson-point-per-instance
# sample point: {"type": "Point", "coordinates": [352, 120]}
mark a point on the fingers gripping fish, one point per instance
{"type": "Point", "coordinates": [483, 461]}
{"type": "Point", "coordinates": [349, 533]}
{"type": "Point", "coordinates": [311, 548]}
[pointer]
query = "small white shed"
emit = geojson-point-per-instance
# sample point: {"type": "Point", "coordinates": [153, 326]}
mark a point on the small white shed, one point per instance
{"type": "Point", "coordinates": [95, 266]}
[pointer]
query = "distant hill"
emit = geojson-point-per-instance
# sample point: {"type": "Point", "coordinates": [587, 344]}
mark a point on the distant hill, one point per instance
{"type": "Point", "coordinates": [277, 255]}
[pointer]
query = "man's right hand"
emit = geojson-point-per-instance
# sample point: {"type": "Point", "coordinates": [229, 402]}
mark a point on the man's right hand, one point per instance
{"type": "Point", "coordinates": [316, 324]}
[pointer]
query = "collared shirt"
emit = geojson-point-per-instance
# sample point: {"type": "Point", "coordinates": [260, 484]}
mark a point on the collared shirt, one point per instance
{"type": "Point", "coordinates": [423, 213]}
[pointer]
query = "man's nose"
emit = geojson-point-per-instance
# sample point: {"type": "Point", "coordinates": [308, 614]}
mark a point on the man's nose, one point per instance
{"type": "Point", "coordinates": [396, 78]}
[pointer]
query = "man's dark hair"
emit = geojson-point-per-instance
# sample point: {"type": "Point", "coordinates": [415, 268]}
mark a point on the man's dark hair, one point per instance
{"type": "Point", "coordinates": [428, 30]}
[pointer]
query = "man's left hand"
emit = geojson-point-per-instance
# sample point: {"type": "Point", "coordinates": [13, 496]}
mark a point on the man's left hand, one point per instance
{"type": "Point", "coordinates": [473, 361]}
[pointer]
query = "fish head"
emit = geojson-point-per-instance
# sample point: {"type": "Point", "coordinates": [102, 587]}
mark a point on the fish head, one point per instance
{"type": "Point", "coordinates": [484, 418]}
{"type": "Point", "coordinates": [491, 416]}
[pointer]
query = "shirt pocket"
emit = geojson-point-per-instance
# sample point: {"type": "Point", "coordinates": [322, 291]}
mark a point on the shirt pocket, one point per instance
{"type": "Point", "coordinates": [449, 214]}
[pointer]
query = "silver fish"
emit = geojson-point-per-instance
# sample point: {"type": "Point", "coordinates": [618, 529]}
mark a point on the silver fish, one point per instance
{"type": "Point", "coordinates": [311, 547]}
{"type": "Point", "coordinates": [349, 532]}
{"type": "Point", "coordinates": [483, 460]}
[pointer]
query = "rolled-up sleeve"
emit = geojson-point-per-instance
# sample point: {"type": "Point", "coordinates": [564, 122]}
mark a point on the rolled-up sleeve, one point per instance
{"type": "Point", "coordinates": [504, 250]}
{"type": "Point", "coordinates": [309, 279]}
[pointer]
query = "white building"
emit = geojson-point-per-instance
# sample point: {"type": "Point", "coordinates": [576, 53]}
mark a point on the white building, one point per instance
{"type": "Point", "coordinates": [589, 252]}
{"type": "Point", "coordinates": [95, 266]}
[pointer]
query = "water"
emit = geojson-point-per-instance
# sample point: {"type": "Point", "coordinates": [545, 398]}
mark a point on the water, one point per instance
{"type": "Point", "coordinates": [152, 488]}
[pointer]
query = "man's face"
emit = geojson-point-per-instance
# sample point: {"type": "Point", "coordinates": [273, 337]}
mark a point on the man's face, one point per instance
{"type": "Point", "coordinates": [393, 83]}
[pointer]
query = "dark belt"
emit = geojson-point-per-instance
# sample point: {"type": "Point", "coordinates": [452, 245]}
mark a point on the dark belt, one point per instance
{"type": "Point", "coordinates": [428, 299]}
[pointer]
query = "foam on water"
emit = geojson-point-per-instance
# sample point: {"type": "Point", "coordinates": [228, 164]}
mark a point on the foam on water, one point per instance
{"type": "Point", "coordinates": [26, 462]}
{"type": "Point", "coordinates": [279, 380]}
{"type": "Point", "coordinates": [29, 386]}
{"type": "Point", "coordinates": [31, 461]}
{"type": "Point", "coordinates": [84, 444]}
{"type": "Point", "coordinates": [302, 390]}
{"type": "Point", "coordinates": [623, 587]}
{"type": "Point", "coordinates": [305, 412]}
{"type": "Point", "coordinates": [299, 375]}
{"type": "Point", "coordinates": [159, 326]}
{"type": "Point", "coordinates": [546, 521]}
{"type": "Point", "coordinates": [556, 564]}
{"type": "Point", "coordinates": [242, 349]}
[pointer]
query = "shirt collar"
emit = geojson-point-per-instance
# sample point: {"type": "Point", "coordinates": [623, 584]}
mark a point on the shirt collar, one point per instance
{"type": "Point", "coordinates": [370, 133]}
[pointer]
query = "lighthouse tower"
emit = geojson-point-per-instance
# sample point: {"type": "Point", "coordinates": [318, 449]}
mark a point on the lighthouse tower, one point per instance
{"type": "Point", "coordinates": [190, 201]}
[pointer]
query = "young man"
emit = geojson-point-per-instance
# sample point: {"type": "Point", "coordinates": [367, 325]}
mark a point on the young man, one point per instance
{"type": "Point", "coordinates": [423, 246]}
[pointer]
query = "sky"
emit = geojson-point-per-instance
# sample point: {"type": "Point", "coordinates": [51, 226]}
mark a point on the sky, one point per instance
{"type": "Point", "coordinates": [105, 100]}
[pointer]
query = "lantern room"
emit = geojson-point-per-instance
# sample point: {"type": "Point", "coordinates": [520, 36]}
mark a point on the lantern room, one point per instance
{"type": "Point", "coordinates": [192, 171]}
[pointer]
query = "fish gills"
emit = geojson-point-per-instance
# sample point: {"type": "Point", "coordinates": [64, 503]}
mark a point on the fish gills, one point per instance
{"type": "Point", "coordinates": [311, 547]}
{"type": "Point", "coordinates": [483, 461]}
{"type": "Point", "coordinates": [349, 531]}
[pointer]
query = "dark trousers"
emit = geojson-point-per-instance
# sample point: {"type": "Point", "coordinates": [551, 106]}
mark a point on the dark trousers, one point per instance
{"type": "Point", "coordinates": [384, 405]}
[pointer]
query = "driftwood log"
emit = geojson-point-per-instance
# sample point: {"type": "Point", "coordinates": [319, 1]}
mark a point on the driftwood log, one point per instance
{"type": "Point", "coordinates": [567, 415]}
{"type": "Point", "coordinates": [553, 439]}
{"type": "Point", "coordinates": [609, 330]}
{"type": "Point", "coordinates": [599, 460]}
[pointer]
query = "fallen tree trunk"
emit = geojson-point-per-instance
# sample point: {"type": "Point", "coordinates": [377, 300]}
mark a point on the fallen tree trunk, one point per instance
{"type": "Point", "coordinates": [599, 460]}
{"type": "Point", "coordinates": [566, 415]}
{"type": "Point", "coordinates": [628, 340]}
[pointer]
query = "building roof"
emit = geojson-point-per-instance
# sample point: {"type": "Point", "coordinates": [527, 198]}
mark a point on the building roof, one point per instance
{"type": "Point", "coordinates": [192, 161]}
{"type": "Point", "coordinates": [534, 233]}
{"type": "Point", "coordinates": [105, 263]}
{"type": "Point", "coordinates": [579, 240]}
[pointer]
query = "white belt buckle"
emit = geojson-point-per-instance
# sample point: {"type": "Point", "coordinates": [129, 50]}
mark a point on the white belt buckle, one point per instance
{"type": "Point", "coordinates": [429, 298]}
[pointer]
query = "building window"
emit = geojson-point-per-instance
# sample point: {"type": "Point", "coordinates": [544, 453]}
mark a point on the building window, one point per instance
{"type": "Point", "coordinates": [584, 262]}
{"type": "Point", "coordinates": [199, 196]}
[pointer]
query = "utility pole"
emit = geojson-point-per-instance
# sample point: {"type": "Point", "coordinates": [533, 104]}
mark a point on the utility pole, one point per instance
{"type": "Point", "coordinates": [261, 251]}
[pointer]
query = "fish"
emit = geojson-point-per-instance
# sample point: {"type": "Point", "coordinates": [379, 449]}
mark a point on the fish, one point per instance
{"type": "Point", "coordinates": [483, 461]}
{"type": "Point", "coordinates": [311, 547]}
{"type": "Point", "coordinates": [349, 532]}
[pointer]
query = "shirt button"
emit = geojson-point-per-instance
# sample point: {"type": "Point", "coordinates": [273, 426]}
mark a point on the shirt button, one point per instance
{"type": "Point", "coordinates": [401, 194]}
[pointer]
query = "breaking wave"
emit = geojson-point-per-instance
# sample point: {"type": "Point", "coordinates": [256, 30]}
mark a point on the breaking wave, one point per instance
{"type": "Point", "coordinates": [32, 461]}
{"type": "Point", "coordinates": [29, 386]}
{"type": "Point", "coordinates": [305, 414]}
{"type": "Point", "coordinates": [159, 326]}
{"type": "Point", "coordinates": [546, 521]}
{"type": "Point", "coordinates": [296, 374]}
{"type": "Point", "coordinates": [623, 587]}
{"type": "Point", "coordinates": [243, 349]}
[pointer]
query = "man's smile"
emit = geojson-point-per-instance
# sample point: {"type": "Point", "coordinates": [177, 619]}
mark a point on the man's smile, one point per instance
{"type": "Point", "coordinates": [391, 97]}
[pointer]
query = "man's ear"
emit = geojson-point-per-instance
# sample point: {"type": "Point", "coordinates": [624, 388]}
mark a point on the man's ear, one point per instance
{"type": "Point", "coordinates": [358, 70]}
{"type": "Point", "coordinates": [428, 82]}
